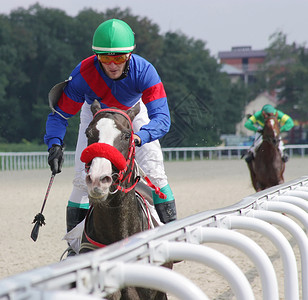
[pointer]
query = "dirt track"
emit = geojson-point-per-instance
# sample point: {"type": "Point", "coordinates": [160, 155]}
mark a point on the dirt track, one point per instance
{"type": "Point", "coordinates": [197, 186]}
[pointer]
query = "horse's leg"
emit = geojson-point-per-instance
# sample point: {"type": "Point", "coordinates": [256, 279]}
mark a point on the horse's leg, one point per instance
{"type": "Point", "coordinates": [150, 294]}
{"type": "Point", "coordinates": [115, 296]}
{"type": "Point", "coordinates": [259, 189]}
{"type": "Point", "coordinates": [282, 171]}
{"type": "Point", "coordinates": [161, 296]}
{"type": "Point", "coordinates": [252, 175]}
{"type": "Point", "coordinates": [281, 178]}
{"type": "Point", "coordinates": [131, 293]}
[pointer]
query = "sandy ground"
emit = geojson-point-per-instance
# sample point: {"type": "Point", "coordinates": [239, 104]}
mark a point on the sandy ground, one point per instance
{"type": "Point", "coordinates": [197, 186]}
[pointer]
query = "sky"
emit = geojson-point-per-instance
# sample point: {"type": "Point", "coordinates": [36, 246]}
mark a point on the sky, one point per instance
{"type": "Point", "coordinates": [221, 24]}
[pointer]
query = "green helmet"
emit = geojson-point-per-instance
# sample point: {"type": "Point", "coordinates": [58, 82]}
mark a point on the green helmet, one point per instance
{"type": "Point", "coordinates": [113, 36]}
{"type": "Point", "coordinates": [269, 109]}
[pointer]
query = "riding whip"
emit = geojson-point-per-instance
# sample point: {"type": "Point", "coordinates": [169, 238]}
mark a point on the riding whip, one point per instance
{"type": "Point", "coordinates": [39, 219]}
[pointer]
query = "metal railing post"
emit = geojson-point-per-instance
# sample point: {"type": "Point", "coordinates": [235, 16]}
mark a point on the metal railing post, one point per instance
{"type": "Point", "coordinates": [153, 277]}
{"type": "Point", "coordinates": [299, 236]}
{"type": "Point", "coordinates": [289, 261]}
{"type": "Point", "coordinates": [170, 251]}
{"type": "Point", "coordinates": [245, 244]}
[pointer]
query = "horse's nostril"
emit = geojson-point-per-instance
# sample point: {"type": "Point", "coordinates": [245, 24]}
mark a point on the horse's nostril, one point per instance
{"type": "Point", "coordinates": [88, 179]}
{"type": "Point", "coordinates": [106, 179]}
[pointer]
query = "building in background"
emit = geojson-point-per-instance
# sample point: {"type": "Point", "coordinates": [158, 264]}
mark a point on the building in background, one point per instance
{"type": "Point", "coordinates": [241, 62]}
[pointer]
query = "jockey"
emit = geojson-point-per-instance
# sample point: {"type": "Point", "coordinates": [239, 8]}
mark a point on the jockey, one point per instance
{"type": "Point", "coordinates": [256, 124]}
{"type": "Point", "coordinates": [116, 78]}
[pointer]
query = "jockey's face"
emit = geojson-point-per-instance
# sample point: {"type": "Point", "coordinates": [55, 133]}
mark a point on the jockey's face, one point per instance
{"type": "Point", "coordinates": [113, 69]}
{"type": "Point", "coordinates": [267, 115]}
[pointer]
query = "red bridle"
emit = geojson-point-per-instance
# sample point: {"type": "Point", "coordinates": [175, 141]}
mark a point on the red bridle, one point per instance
{"type": "Point", "coordinates": [125, 166]}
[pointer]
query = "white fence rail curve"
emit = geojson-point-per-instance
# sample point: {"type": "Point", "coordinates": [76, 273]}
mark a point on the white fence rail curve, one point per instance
{"type": "Point", "coordinates": [136, 261]}
{"type": "Point", "coordinates": [11, 161]}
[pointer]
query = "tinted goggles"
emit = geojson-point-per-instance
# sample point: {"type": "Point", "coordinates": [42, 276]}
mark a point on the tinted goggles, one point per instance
{"type": "Point", "coordinates": [117, 59]}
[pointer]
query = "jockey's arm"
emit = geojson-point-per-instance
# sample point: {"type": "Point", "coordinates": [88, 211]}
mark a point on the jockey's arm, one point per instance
{"type": "Point", "coordinates": [159, 123]}
{"type": "Point", "coordinates": [250, 124]}
{"type": "Point", "coordinates": [57, 121]}
{"type": "Point", "coordinates": [155, 99]}
{"type": "Point", "coordinates": [286, 123]}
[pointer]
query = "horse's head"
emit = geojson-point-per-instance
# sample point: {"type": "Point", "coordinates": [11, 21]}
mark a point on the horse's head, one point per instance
{"type": "Point", "coordinates": [110, 146]}
{"type": "Point", "coordinates": [271, 130]}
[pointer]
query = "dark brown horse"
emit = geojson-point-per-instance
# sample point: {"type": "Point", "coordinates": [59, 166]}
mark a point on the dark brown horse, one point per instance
{"type": "Point", "coordinates": [266, 169]}
{"type": "Point", "coordinates": [112, 174]}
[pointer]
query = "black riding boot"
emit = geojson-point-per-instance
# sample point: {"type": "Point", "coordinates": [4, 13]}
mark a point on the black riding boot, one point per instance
{"type": "Point", "coordinates": [166, 211]}
{"type": "Point", "coordinates": [74, 215]}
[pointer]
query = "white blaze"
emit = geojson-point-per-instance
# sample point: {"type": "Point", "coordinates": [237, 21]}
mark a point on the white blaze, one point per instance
{"type": "Point", "coordinates": [107, 134]}
{"type": "Point", "coordinates": [273, 126]}
{"type": "Point", "coordinates": [107, 131]}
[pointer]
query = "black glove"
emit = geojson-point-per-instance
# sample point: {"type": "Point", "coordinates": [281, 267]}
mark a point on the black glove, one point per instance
{"type": "Point", "coordinates": [166, 211]}
{"type": "Point", "coordinates": [260, 131]}
{"type": "Point", "coordinates": [137, 143]}
{"type": "Point", "coordinates": [55, 158]}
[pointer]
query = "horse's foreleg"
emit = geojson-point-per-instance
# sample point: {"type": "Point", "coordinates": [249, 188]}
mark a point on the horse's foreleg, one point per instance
{"type": "Point", "coordinates": [281, 181]}
{"type": "Point", "coordinates": [252, 175]}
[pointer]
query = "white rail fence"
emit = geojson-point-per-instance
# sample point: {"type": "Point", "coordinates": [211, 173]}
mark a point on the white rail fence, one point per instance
{"type": "Point", "coordinates": [10, 161]}
{"type": "Point", "coordinates": [136, 261]}
{"type": "Point", "coordinates": [15, 161]}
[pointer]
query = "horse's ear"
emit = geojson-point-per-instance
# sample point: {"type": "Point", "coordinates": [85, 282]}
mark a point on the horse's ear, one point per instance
{"type": "Point", "coordinates": [95, 107]}
{"type": "Point", "coordinates": [132, 112]}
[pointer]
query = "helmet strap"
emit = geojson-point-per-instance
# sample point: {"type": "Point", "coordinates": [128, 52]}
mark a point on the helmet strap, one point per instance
{"type": "Point", "coordinates": [125, 71]}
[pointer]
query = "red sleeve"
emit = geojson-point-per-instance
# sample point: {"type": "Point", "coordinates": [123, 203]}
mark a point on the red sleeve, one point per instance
{"type": "Point", "coordinates": [68, 105]}
{"type": "Point", "coordinates": [154, 92]}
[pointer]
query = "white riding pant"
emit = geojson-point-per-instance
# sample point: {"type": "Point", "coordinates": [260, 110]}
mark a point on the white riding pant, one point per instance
{"type": "Point", "coordinates": [149, 156]}
{"type": "Point", "coordinates": [258, 141]}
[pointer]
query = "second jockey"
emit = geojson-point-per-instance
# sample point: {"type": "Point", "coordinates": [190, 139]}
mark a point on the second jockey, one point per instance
{"type": "Point", "coordinates": [256, 124]}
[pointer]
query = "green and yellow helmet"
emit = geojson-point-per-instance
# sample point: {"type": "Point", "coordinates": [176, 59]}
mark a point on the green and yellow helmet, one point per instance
{"type": "Point", "coordinates": [113, 36]}
{"type": "Point", "coordinates": [269, 109]}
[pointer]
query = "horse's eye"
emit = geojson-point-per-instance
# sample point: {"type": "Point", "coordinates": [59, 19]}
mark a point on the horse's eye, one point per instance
{"type": "Point", "coordinates": [88, 132]}
{"type": "Point", "coordinates": [126, 135]}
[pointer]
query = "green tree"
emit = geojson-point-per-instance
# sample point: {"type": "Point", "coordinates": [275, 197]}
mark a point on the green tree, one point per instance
{"type": "Point", "coordinates": [201, 98]}
{"type": "Point", "coordinates": [40, 47]}
{"type": "Point", "coordinates": [37, 37]}
{"type": "Point", "coordinates": [285, 73]}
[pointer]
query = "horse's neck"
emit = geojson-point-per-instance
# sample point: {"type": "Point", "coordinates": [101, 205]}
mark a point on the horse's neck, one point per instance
{"type": "Point", "coordinates": [113, 223]}
{"type": "Point", "coordinates": [268, 144]}
{"type": "Point", "coordinates": [268, 151]}
{"type": "Point", "coordinates": [271, 136]}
